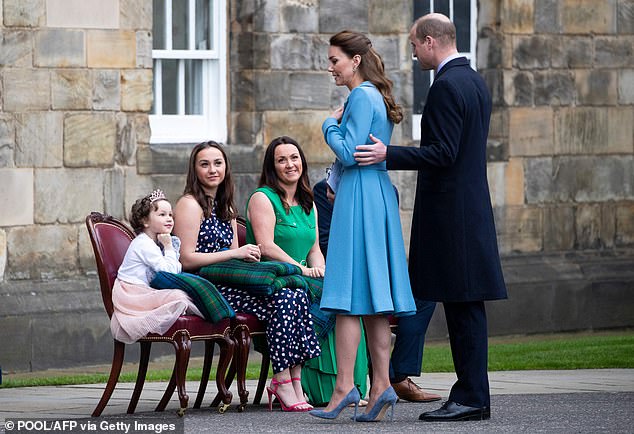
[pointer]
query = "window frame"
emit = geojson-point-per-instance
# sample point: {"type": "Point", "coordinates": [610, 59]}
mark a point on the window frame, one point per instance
{"type": "Point", "coordinates": [471, 54]}
{"type": "Point", "coordinates": [212, 123]}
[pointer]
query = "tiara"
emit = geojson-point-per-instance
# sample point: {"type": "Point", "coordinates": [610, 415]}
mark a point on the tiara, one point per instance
{"type": "Point", "coordinates": [157, 195]}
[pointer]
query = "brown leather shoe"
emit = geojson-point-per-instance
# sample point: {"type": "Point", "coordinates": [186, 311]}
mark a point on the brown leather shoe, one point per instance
{"type": "Point", "coordinates": [409, 391]}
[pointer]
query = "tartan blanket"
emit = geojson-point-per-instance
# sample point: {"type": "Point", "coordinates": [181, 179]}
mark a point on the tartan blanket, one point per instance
{"type": "Point", "coordinates": [258, 278]}
{"type": "Point", "coordinates": [265, 278]}
{"type": "Point", "coordinates": [202, 292]}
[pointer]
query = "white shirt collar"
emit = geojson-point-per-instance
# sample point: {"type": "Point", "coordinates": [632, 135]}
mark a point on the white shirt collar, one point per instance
{"type": "Point", "coordinates": [447, 60]}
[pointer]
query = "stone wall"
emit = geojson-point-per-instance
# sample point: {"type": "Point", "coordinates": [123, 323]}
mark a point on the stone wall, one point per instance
{"type": "Point", "coordinates": [76, 90]}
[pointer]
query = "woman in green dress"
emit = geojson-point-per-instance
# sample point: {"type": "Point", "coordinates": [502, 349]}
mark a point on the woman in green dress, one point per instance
{"type": "Point", "coordinates": [282, 220]}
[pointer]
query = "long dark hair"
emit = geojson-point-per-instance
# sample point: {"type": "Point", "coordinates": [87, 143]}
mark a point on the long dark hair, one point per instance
{"type": "Point", "coordinates": [268, 178]}
{"type": "Point", "coordinates": [225, 206]}
{"type": "Point", "coordinates": [371, 67]}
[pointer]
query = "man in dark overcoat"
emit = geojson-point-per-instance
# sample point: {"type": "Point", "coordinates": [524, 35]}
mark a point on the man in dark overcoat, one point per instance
{"type": "Point", "coordinates": [453, 255]}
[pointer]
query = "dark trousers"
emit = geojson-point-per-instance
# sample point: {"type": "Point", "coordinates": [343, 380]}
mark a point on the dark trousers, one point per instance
{"type": "Point", "coordinates": [407, 356]}
{"type": "Point", "coordinates": [467, 326]}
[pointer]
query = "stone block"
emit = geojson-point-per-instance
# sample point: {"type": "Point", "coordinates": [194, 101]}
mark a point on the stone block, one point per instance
{"type": "Point", "coordinates": [491, 49]}
{"type": "Point", "coordinates": [39, 252]}
{"type": "Point", "coordinates": [298, 52]}
{"type": "Point", "coordinates": [299, 16]}
{"type": "Point", "coordinates": [16, 201]}
{"type": "Point", "coordinates": [532, 52]}
{"type": "Point", "coordinates": [144, 49]}
{"type": "Point", "coordinates": [495, 178]}
{"type": "Point", "coordinates": [246, 159]}
{"type": "Point", "coordinates": [615, 52]}
{"type": "Point", "coordinates": [519, 229]}
{"type": "Point", "coordinates": [626, 86]}
{"type": "Point", "coordinates": [612, 304]}
{"type": "Point", "coordinates": [538, 178]}
{"type": "Point", "coordinates": [264, 14]}
{"type": "Point", "coordinates": [547, 16]}
{"type": "Point", "coordinates": [335, 15]}
{"type": "Point", "coordinates": [554, 88]}
{"type": "Point", "coordinates": [625, 223]}
{"type": "Point", "coordinates": [60, 48]}
{"type": "Point", "coordinates": [163, 158]}
{"type": "Point", "coordinates": [71, 89]}
{"type": "Point", "coordinates": [16, 353]}
{"type": "Point", "coordinates": [516, 16]}
{"type": "Point", "coordinates": [39, 139]}
{"type": "Point", "coordinates": [518, 88]}
{"type": "Point", "coordinates": [24, 13]}
{"type": "Point", "coordinates": [7, 140]}
{"type": "Point", "coordinates": [172, 186]}
{"type": "Point", "coordinates": [388, 48]}
{"type": "Point", "coordinates": [3, 253]}
{"type": "Point", "coordinates": [114, 191]}
{"type": "Point", "coordinates": [126, 140]}
{"type": "Point", "coordinates": [106, 90]}
{"type": "Point", "coordinates": [625, 17]}
{"type": "Point", "coordinates": [246, 127]}
{"type": "Point", "coordinates": [592, 179]}
{"type": "Point", "coordinates": [572, 52]}
{"type": "Point", "coordinates": [111, 48]}
{"type": "Point", "coordinates": [559, 228]}
{"type": "Point", "coordinates": [530, 131]}
{"type": "Point", "coordinates": [16, 48]}
{"type": "Point", "coordinates": [303, 126]}
{"type": "Point", "coordinates": [586, 130]}
{"type": "Point", "coordinates": [272, 90]}
{"type": "Point", "coordinates": [588, 226]}
{"type": "Point", "coordinates": [142, 129]}
{"type": "Point", "coordinates": [136, 90]}
{"type": "Point", "coordinates": [135, 14]}
{"type": "Point", "coordinates": [514, 182]}
{"type": "Point", "coordinates": [405, 182]}
{"type": "Point", "coordinates": [245, 184]}
{"type": "Point", "coordinates": [136, 186]}
{"type": "Point", "coordinates": [85, 14]}
{"type": "Point", "coordinates": [310, 90]}
{"type": "Point", "coordinates": [89, 140]}
{"type": "Point", "coordinates": [243, 88]}
{"type": "Point", "coordinates": [67, 195]}
{"type": "Point", "coordinates": [389, 17]}
{"type": "Point", "coordinates": [589, 16]}
{"type": "Point", "coordinates": [251, 51]}
{"type": "Point", "coordinates": [86, 255]}
{"type": "Point", "coordinates": [608, 224]}
{"type": "Point", "coordinates": [30, 90]}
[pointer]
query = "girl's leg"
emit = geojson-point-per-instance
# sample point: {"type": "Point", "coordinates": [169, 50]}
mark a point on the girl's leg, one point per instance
{"type": "Point", "coordinates": [296, 375]}
{"type": "Point", "coordinates": [377, 328]}
{"type": "Point", "coordinates": [348, 333]}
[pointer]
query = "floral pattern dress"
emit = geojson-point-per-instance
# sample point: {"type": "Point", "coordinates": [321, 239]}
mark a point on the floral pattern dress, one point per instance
{"type": "Point", "coordinates": [290, 335]}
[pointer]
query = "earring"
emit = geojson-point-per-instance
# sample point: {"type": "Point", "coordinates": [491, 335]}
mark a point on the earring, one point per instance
{"type": "Point", "coordinates": [354, 69]}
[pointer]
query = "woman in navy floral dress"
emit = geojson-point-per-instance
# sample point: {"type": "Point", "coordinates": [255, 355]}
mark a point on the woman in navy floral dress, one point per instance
{"type": "Point", "coordinates": [204, 220]}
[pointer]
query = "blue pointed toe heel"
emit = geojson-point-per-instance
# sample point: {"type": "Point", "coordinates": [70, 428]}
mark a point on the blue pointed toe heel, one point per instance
{"type": "Point", "coordinates": [387, 399]}
{"type": "Point", "coordinates": [352, 397]}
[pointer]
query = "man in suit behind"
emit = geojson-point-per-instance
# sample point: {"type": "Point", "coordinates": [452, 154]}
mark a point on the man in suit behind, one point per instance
{"type": "Point", "coordinates": [453, 255]}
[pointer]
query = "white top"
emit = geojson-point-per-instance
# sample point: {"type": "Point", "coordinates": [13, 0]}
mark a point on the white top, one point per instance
{"type": "Point", "coordinates": [145, 258]}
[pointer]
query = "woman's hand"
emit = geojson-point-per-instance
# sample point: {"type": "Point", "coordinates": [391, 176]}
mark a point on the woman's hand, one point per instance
{"type": "Point", "coordinates": [313, 271]}
{"type": "Point", "coordinates": [248, 253]}
{"type": "Point", "coordinates": [337, 114]}
{"type": "Point", "coordinates": [165, 240]}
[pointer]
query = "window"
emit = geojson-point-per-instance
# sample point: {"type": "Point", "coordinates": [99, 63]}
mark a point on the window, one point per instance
{"type": "Point", "coordinates": [189, 61]}
{"type": "Point", "coordinates": [463, 13]}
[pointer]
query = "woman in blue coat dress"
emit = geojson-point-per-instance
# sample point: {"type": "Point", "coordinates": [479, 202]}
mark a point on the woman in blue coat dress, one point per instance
{"type": "Point", "coordinates": [367, 269]}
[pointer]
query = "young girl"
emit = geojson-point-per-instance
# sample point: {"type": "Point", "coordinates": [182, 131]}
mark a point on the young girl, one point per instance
{"type": "Point", "coordinates": [139, 309]}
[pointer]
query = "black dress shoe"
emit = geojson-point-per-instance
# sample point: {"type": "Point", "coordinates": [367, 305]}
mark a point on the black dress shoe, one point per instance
{"type": "Point", "coordinates": [451, 411]}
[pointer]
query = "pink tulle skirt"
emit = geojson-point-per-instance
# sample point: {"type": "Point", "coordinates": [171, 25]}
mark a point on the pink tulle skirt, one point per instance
{"type": "Point", "coordinates": [139, 310]}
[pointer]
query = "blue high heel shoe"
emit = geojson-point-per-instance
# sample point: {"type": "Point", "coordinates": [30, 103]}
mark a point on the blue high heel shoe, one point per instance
{"type": "Point", "coordinates": [387, 399]}
{"type": "Point", "coordinates": [352, 397]}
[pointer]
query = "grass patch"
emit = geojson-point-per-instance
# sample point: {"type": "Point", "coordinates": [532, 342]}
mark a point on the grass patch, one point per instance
{"type": "Point", "coordinates": [613, 349]}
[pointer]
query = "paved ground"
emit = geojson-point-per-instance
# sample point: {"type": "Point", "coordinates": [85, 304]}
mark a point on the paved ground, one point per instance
{"type": "Point", "coordinates": [579, 401]}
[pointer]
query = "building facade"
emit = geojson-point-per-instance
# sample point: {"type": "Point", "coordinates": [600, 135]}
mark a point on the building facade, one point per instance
{"type": "Point", "coordinates": [101, 101]}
